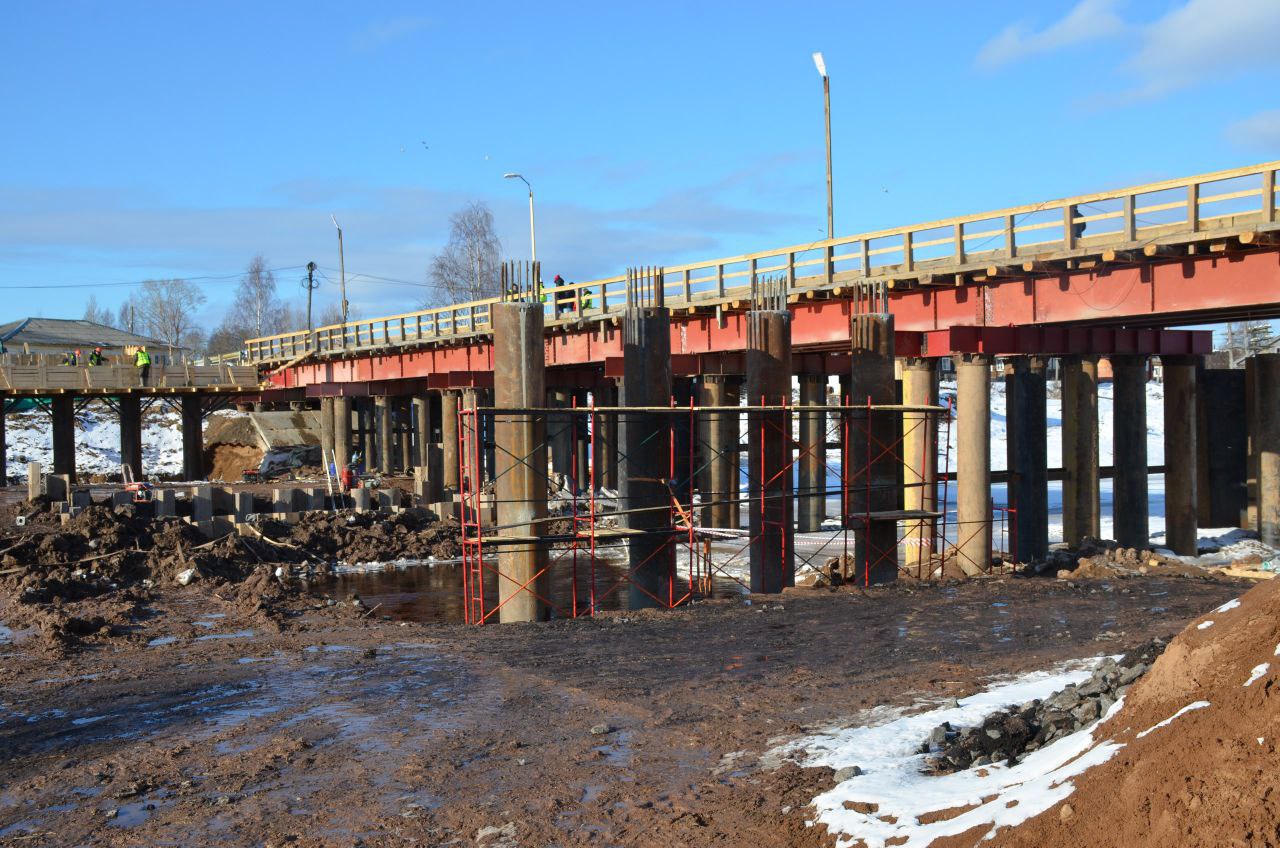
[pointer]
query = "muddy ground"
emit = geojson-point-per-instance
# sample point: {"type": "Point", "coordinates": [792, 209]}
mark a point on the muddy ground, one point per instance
{"type": "Point", "coordinates": [207, 722]}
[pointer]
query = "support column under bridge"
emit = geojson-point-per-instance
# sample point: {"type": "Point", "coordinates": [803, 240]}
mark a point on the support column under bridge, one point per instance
{"type": "Point", "coordinates": [769, 440]}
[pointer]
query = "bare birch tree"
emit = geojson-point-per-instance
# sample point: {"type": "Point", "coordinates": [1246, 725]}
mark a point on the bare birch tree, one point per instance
{"type": "Point", "coordinates": [166, 311]}
{"type": "Point", "coordinates": [467, 268]}
{"type": "Point", "coordinates": [256, 307]}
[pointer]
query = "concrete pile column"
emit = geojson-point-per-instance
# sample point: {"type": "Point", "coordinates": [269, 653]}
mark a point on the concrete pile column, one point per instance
{"type": "Point", "coordinates": [920, 459]}
{"type": "Point", "coordinates": [130, 407]}
{"type": "Point", "coordinates": [64, 435]}
{"type": "Point", "coordinates": [383, 439]}
{"type": "Point", "coordinates": [449, 435]}
{"type": "Point", "coordinates": [342, 431]}
{"type": "Point", "coordinates": [1266, 441]}
{"type": "Point", "coordinates": [684, 441]}
{"type": "Point", "coordinates": [422, 428]}
{"type": "Point", "coordinates": [873, 461]}
{"type": "Point", "coordinates": [560, 432]}
{"type": "Point", "coordinates": [4, 447]}
{"type": "Point", "coordinates": [722, 434]}
{"type": "Point", "coordinates": [604, 449]}
{"type": "Point", "coordinates": [1130, 497]}
{"type": "Point", "coordinates": [646, 382]}
{"type": "Point", "coordinates": [404, 426]}
{"type": "Point", "coordinates": [1080, 498]}
{"type": "Point", "coordinates": [1222, 436]}
{"type": "Point", "coordinates": [521, 478]}
{"type": "Point", "coordinates": [326, 428]}
{"type": "Point", "coordinates": [1181, 527]}
{"type": "Point", "coordinates": [770, 507]}
{"type": "Point", "coordinates": [192, 438]}
{"type": "Point", "coordinates": [581, 444]}
{"type": "Point", "coordinates": [1026, 458]}
{"type": "Point", "coordinates": [973, 464]}
{"type": "Point", "coordinates": [812, 495]}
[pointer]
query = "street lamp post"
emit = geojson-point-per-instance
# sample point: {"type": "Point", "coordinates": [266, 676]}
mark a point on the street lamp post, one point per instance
{"type": "Point", "coordinates": [342, 277]}
{"type": "Point", "coordinates": [533, 241]}
{"type": "Point", "coordinates": [826, 99]}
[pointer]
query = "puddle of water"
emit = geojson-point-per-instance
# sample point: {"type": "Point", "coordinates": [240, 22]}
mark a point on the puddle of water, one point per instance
{"type": "Point", "coordinates": [162, 640]}
{"type": "Point", "coordinates": [239, 634]}
{"type": "Point", "coordinates": [433, 593]}
{"type": "Point", "coordinates": [132, 815]}
{"type": "Point", "coordinates": [24, 827]}
{"type": "Point", "coordinates": [617, 752]}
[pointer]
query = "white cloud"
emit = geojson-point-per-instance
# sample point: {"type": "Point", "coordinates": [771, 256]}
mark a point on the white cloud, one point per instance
{"type": "Point", "coordinates": [1257, 131]}
{"type": "Point", "coordinates": [1088, 20]}
{"type": "Point", "coordinates": [380, 34]}
{"type": "Point", "coordinates": [1206, 38]}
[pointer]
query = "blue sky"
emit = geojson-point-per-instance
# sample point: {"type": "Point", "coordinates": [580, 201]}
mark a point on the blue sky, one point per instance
{"type": "Point", "coordinates": [161, 139]}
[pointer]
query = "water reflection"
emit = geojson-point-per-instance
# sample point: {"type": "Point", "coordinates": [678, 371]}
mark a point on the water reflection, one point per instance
{"type": "Point", "coordinates": [433, 593]}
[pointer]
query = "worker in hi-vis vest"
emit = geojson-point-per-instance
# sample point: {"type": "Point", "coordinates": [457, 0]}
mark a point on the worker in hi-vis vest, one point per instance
{"type": "Point", "coordinates": [142, 360]}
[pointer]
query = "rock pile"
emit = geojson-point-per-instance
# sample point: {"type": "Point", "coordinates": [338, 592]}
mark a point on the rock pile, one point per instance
{"type": "Point", "coordinates": [1007, 735]}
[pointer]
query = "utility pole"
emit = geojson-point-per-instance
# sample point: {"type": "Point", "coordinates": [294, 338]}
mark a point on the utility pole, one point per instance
{"type": "Point", "coordinates": [311, 286]}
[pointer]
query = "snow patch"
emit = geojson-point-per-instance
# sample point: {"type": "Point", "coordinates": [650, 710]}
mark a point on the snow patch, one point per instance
{"type": "Point", "coordinates": [893, 780]}
{"type": "Point", "coordinates": [1256, 674]}
{"type": "Point", "coordinates": [1195, 705]}
{"type": "Point", "coordinates": [1229, 605]}
{"type": "Point", "coordinates": [1204, 625]}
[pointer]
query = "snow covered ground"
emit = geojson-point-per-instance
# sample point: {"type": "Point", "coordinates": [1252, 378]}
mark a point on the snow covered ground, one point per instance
{"type": "Point", "coordinates": [29, 438]}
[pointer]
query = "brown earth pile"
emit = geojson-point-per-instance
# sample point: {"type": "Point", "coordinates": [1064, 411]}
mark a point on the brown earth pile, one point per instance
{"type": "Point", "coordinates": [1209, 777]}
{"type": "Point", "coordinates": [367, 537]}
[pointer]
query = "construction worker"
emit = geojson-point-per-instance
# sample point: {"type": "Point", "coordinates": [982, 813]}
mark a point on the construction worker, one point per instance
{"type": "Point", "coordinates": [142, 360]}
{"type": "Point", "coordinates": [96, 358]}
{"type": "Point", "coordinates": [564, 297]}
{"type": "Point", "coordinates": [69, 358]}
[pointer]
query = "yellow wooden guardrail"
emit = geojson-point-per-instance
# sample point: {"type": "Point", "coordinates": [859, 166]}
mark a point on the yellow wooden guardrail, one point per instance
{"type": "Point", "coordinates": [1160, 211]}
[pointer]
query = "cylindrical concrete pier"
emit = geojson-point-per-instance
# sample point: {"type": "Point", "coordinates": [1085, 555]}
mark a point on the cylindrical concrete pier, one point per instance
{"type": "Point", "coordinates": [604, 449]}
{"type": "Point", "coordinates": [874, 464]}
{"type": "Point", "coordinates": [404, 432]}
{"type": "Point", "coordinates": [449, 434]}
{"type": "Point", "coordinates": [1080, 496]}
{"type": "Point", "coordinates": [422, 428]}
{"type": "Point", "coordinates": [560, 432]}
{"type": "Point", "coordinates": [521, 479]}
{"type": "Point", "coordinates": [1026, 457]}
{"type": "Point", "coordinates": [1180, 505]}
{"type": "Point", "coordinates": [192, 438]}
{"type": "Point", "coordinates": [341, 432]}
{"type": "Point", "coordinates": [772, 530]}
{"type": "Point", "coordinates": [920, 460]}
{"type": "Point", "coordinates": [973, 464]}
{"type": "Point", "coordinates": [130, 407]}
{"type": "Point", "coordinates": [721, 437]}
{"type": "Point", "coordinates": [1131, 510]}
{"type": "Point", "coordinates": [581, 443]}
{"type": "Point", "coordinates": [384, 441]}
{"type": "Point", "coordinates": [64, 434]}
{"type": "Point", "coordinates": [1266, 438]}
{"type": "Point", "coordinates": [326, 428]}
{"type": "Point", "coordinates": [646, 462]}
{"type": "Point", "coordinates": [812, 456]}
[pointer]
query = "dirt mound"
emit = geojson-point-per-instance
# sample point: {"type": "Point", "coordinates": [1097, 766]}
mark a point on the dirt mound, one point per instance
{"type": "Point", "coordinates": [1200, 737]}
{"type": "Point", "coordinates": [366, 537]}
{"type": "Point", "coordinates": [229, 461]}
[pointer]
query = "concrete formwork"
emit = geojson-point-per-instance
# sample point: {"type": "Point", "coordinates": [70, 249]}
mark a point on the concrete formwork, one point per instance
{"type": "Point", "coordinates": [920, 457]}
{"type": "Point", "coordinates": [1180, 454]}
{"type": "Point", "coordinates": [811, 497]}
{"type": "Point", "coordinates": [772, 529]}
{"type": "Point", "coordinates": [521, 479]}
{"type": "Point", "coordinates": [1266, 438]}
{"type": "Point", "coordinates": [646, 382]}
{"type": "Point", "coordinates": [1081, 504]}
{"type": "Point", "coordinates": [973, 463]}
{"type": "Point", "coordinates": [1131, 509]}
{"type": "Point", "coordinates": [873, 454]}
{"type": "Point", "coordinates": [130, 409]}
{"type": "Point", "coordinates": [721, 438]}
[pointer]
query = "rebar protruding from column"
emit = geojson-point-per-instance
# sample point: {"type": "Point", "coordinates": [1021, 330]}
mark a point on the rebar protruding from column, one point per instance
{"type": "Point", "coordinates": [646, 287]}
{"type": "Point", "coordinates": [1027, 458]}
{"type": "Point", "coordinates": [520, 280]}
{"type": "Point", "coordinates": [1265, 442]}
{"type": "Point", "coordinates": [646, 436]}
{"type": "Point", "coordinates": [520, 484]}
{"type": "Point", "coordinates": [812, 497]}
{"type": "Point", "coordinates": [973, 465]}
{"type": "Point", "coordinates": [920, 461]}
{"type": "Point", "coordinates": [1081, 503]}
{"type": "Point", "coordinates": [1129, 493]}
{"type": "Point", "coordinates": [1180, 503]}
{"type": "Point", "coordinates": [771, 522]}
{"type": "Point", "coordinates": [874, 464]}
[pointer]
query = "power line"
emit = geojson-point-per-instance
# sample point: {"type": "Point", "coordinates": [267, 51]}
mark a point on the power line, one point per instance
{"type": "Point", "coordinates": [201, 279]}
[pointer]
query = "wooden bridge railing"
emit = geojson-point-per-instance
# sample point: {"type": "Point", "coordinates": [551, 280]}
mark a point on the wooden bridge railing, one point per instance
{"type": "Point", "coordinates": [44, 377]}
{"type": "Point", "coordinates": [1087, 224]}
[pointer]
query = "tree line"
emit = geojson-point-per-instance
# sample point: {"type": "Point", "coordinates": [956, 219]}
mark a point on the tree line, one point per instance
{"type": "Point", "coordinates": [466, 269]}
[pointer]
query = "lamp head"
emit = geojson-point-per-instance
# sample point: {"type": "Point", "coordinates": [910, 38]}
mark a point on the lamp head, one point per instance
{"type": "Point", "coordinates": [820, 64]}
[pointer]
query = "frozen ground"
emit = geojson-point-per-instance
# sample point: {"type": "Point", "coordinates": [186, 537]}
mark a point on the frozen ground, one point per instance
{"type": "Point", "coordinates": [29, 438]}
